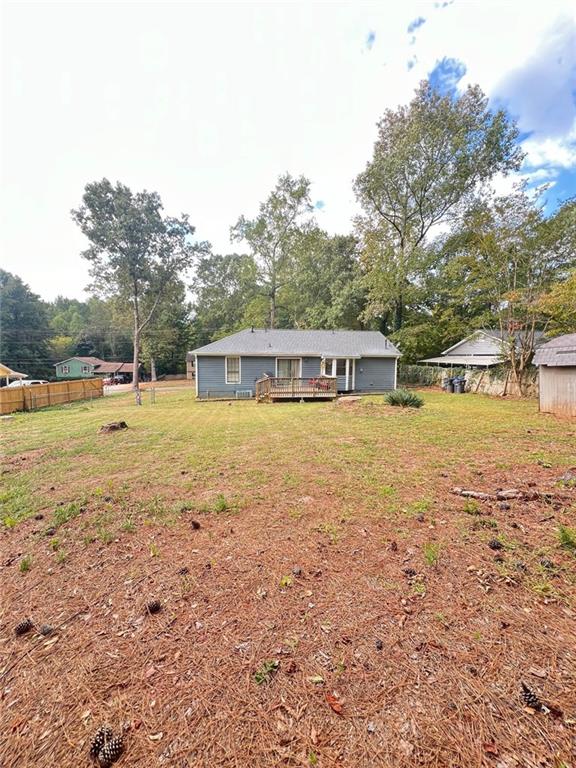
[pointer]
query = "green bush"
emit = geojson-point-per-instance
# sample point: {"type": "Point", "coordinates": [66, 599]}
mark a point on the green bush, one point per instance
{"type": "Point", "coordinates": [404, 398]}
{"type": "Point", "coordinates": [425, 375]}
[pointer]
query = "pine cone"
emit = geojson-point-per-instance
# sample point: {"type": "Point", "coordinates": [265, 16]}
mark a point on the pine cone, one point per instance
{"type": "Point", "coordinates": [154, 606]}
{"type": "Point", "coordinates": [23, 626]}
{"type": "Point", "coordinates": [102, 737]}
{"type": "Point", "coordinates": [111, 751]}
{"type": "Point", "coordinates": [530, 699]}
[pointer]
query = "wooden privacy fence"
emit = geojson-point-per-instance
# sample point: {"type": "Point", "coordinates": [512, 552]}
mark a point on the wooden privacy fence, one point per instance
{"type": "Point", "coordinates": [28, 398]}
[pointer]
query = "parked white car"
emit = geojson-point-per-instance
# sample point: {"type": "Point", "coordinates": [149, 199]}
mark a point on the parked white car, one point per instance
{"type": "Point", "coordinates": [26, 382]}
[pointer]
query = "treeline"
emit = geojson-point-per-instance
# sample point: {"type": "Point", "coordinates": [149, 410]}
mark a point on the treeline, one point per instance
{"type": "Point", "coordinates": [36, 334]}
{"type": "Point", "coordinates": [433, 255]}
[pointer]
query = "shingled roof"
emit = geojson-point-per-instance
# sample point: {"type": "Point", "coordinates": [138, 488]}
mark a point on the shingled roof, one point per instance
{"type": "Point", "coordinates": [261, 342]}
{"type": "Point", "coordinates": [561, 351]}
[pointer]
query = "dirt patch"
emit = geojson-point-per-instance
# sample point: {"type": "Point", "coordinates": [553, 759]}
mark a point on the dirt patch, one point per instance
{"type": "Point", "coordinates": [302, 641]}
{"type": "Point", "coordinates": [25, 460]}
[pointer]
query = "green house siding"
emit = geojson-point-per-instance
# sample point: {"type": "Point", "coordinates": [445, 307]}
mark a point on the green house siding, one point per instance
{"type": "Point", "coordinates": [74, 369]}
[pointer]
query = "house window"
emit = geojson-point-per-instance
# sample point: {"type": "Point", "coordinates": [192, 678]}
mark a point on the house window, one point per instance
{"type": "Point", "coordinates": [65, 369]}
{"type": "Point", "coordinates": [288, 367]}
{"type": "Point", "coordinates": [232, 370]}
{"type": "Point", "coordinates": [334, 367]}
{"type": "Point", "coordinates": [340, 367]}
{"type": "Point", "coordinates": [85, 369]}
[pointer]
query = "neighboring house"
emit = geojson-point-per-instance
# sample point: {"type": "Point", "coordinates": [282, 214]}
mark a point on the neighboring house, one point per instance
{"type": "Point", "coordinates": [354, 361]}
{"type": "Point", "coordinates": [88, 367]}
{"type": "Point", "coordinates": [7, 373]}
{"type": "Point", "coordinates": [482, 349]}
{"type": "Point", "coordinates": [556, 363]}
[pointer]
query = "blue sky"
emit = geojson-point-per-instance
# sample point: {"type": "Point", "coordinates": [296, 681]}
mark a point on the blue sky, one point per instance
{"type": "Point", "coordinates": [541, 97]}
{"type": "Point", "coordinates": [209, 103]}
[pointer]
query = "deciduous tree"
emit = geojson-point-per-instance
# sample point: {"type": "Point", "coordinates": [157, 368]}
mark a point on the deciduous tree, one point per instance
{"type": "Point", "coordinates": [135, 250]}
{"type": "Point", "coordinates": [273, 236]}
{"type": "Point", "coordinates": [24, 331]}
{"type": "Point", "coordinates": [429, 158]}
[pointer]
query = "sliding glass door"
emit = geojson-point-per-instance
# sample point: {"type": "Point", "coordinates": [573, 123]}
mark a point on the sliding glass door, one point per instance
{"type": "Point", "coordinates": [288, 367]}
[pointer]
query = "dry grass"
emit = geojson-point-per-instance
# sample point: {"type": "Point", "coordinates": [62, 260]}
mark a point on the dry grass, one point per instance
{"type": "Point", "coordinates": [330, 542]}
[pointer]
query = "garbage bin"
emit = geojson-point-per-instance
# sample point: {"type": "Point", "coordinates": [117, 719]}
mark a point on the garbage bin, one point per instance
{"type": "Point", "coordinates": [448, 385]}
{"type": "Point", "coordinates": [459, 385]}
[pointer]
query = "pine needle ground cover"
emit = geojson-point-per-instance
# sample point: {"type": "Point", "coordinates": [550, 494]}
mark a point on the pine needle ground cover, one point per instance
{"type": "Point", "coordinates": [325, 597]}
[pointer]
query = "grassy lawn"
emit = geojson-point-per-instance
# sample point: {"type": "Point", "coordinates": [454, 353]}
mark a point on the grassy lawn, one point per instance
{"type": "Point", "coordinates": [327, 600]}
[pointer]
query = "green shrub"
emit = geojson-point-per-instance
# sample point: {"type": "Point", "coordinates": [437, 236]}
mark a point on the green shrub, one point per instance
{"type": "Point", "coordinates": [419, 374]}
{"type": "Point", "coordinates": [567, 537]}
{"type": "Point", "coordinates": [404, 398]}
{"type": "Point", "coordinates": [431, 553]}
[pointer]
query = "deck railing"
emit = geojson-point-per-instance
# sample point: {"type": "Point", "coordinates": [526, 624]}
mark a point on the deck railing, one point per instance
{"type": "Point", "coordinates": [284, 388]}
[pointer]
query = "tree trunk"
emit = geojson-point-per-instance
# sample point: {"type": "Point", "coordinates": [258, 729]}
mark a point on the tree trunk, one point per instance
{"type": "Point", "coordinates": [136, 360]}
{"type": "Point", "coordinates": [273, 309]}
{"type": "Point", "coordinates": [399, 313]}
{"type": "Point", "coordinates": [152, 369]}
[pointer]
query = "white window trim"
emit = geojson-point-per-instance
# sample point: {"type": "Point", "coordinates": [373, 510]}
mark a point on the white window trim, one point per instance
{"type": "Point", "coordinates": [350, 374]}
{"type": "Point", "coordinates": [323, 367]}
{"type": "Point", "coordinates": [233, 357]}
{"type": "Point", "coordinates": [287, 357]}
{"type": "Point", "coordinates": [65, 369]}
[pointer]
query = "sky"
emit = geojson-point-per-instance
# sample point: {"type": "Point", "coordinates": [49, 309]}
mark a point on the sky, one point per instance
{"type": "Point", "coordinates": [208, 104]}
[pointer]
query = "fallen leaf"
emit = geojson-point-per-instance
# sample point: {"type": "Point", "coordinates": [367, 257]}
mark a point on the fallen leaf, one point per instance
{"type": "Point", "coordinates": [490, 748]}
{"type": "Point", "coordinates": [537, 672]}
{"type": "Point", "coordinates": [316, 679]}
{"type": "Point", "coordinates": [155, 736]}
{"type": "Point", "coordinates": [406, 747]}
{"type": "Point", "coordinates": [17, 723]}
{"type": "Point", "coordinates": [334, 703]}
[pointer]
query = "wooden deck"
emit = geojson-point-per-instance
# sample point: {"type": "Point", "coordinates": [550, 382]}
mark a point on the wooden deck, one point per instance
{"type": "Point", "coordinates": [270, 389]}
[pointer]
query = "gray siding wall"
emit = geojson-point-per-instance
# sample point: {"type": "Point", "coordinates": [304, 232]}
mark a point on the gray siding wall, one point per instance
{"type": "Point", "coordinates": [310, 367]}
{"type": "Point", "coordinates": [375, 374]}
{"type": "Point", "coordinates": [211, 373]}
{"type": "Point", "coordinates": [479, 345]}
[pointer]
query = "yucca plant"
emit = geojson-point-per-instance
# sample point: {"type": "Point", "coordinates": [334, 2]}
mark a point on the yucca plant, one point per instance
{"type": "Point", "coordinates": [404, 398]}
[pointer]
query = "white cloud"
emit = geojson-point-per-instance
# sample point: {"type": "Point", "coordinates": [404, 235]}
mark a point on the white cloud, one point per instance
{"type": "Point", "coordinates": [541, 91]}
{"type": "Point", "coordinates": [559, 153]}
{"type": "Point", "coordinates": [540, 175]}
{"type": "Point", "coordinates": [209, 103]}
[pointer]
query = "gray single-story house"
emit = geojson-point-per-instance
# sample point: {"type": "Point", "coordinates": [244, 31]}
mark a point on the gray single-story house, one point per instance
{"type": "Point", "coordinates": [556, 363]}
{"type": "Point", "coordinates": [304, 363]}
{"type": "Point", "coordinates": [482, 349]}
